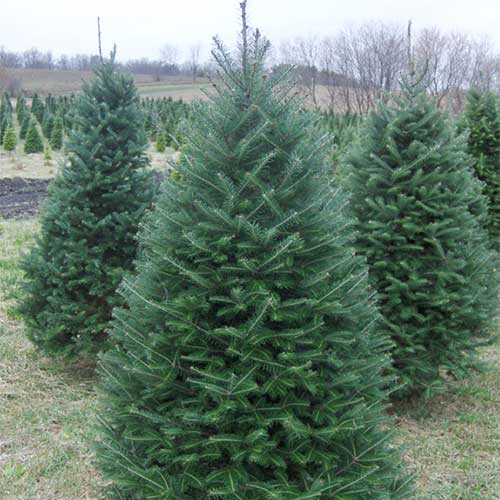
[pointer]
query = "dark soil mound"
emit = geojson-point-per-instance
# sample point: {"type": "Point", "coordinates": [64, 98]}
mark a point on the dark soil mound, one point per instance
{"type": "Point", "coordinates": [20, 197]}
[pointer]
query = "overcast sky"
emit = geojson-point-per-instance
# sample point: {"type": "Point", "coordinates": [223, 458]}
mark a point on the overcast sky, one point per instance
{"type": "Point", "coordinates": [141, 27]}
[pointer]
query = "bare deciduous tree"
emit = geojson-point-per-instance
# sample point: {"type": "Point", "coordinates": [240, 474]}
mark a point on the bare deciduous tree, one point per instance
{"type": "Point", "coordinates": [10, 59]}
{"type": "Point", "coordinates": [304, 54]}
{"type": "Point", "coordinates": [169, 54]}
{"type": "Point", "coordinates": [362, 64]}
{"type": "Point", "coordinates": [194, 59]}
{"type": "Point", "coordinates": [485, 68]}
{"type": "Point", "coordinates": [371, 58]}
{"type": "Point", "coordinates": [35, 59]}
{"type": "Point", "coordinates": [331, 79]}
{"type": "Point", "coordinates": [445, 60]}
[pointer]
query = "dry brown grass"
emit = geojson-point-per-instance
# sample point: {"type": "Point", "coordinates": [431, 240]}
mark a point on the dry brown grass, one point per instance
{"type": "Point", "coordinates": [33, 166]}
{"type": "Point", "coordinates": [453, 440]}
{"type": "Point", "coordinates": [57, 82]}
{"type": "Point", "coordinates": [44, 81]}
{"type": "Point", "coordinates": [45, 408]}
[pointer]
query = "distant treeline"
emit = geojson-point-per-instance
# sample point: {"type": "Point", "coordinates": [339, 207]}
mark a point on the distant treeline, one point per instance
{"type": "Point", "coordinates": [36, 59]}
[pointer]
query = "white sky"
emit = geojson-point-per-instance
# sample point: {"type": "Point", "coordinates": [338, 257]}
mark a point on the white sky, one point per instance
{"type": "Point", "coordinates": [141, 27]}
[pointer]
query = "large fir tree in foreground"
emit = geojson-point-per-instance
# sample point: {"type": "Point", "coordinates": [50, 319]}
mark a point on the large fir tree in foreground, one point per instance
{"type": "Point", "coordinates": [88, 226]}
{"type": "Point", "coordinates": [247, 361]}
{"type": "Point", "coordinates": [482, 119]}
{"type": "Point", "coordinates": [420, 214]}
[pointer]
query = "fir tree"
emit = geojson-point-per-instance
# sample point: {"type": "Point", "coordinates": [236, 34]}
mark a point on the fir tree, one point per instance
{"type": "Point", "coordinates": [5, 108]}
{"type": "Point", "coordinates": [9, 139]}
{"type": "Point", "coordinates": [20, 108]}
{"type": "Point", "coordinates": [482, 119]}
{"type": "Point", "coordinates": [88, 227]}
{"type": "Point", "coordinates": [160, 141]}
{"type": "Point", "coordinates": [247, 362]}
{"type": "Point", "coordinates": [47, 155]}
{"type": "Point", "coordinates": [6, 103]}
{"type": "Point", "coordinates": [51, 104]}
{"type": "Point", "coordinates": [37, 108]}
{"type": "Point", "coordinates": [343, 128]}
{"type": "Point", "coordinates": [420, 213]}
{"type": "Point", "coordinates": [33, 142]}
{"type": "Point", "coordinates": [5, 123]}
{"type": "Point", "coordinates": [47, 123]}
{"type": "Point", "coordinates": [56, 138]}
{"type": "Point", "coordinates": [148, 122]}
{"type": "Point", "coordinates": [25, 124]}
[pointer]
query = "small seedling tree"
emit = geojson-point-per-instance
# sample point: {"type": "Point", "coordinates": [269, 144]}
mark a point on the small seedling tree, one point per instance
{"type": "Point", "coordinates": [33, 142]}
{"type": "Point", "coordinates": [9, 139]}
{"type": "Point", "coordinates": [56, 137]}
{"type": "Point", "coordinates": [161, 141]}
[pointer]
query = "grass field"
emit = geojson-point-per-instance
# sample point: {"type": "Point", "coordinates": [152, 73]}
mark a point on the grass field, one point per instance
{"type": "Point", "coordinates": [185, 91]}
{"type": "Point", "coordinates": [47, 410]}
{"type": "Point", "coordinates": [58, 82]}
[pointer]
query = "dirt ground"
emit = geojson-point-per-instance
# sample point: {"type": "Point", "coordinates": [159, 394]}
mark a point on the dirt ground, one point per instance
{"type": "Point", "coordinates": [24, 179]}
{"type": "Point", "coordinates": [21, 197]}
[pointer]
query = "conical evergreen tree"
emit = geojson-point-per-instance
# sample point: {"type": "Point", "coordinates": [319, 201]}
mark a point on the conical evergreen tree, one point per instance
{"type": "Point", "coordinates": [6, 103]}
{"type": "Point", "coordinates": [5, 123]}
{"type": "Point", "coordinates": [47, 123]}
{"type": "Point", "coordinates": [37, 108]}
{"type": "Point", "coordinates": [482, 119]}
{"type": "Point", "coordinates": [9, 139]}
{"type": "Point", "coordinates": [33, 142]}
{"type": "Point", "coordinates": [148, 121]}
{"type": "Point", "coordinates": [56, 138]}
{"type": "Point", "coordinates": [247, 364]}
{"type": "Point", "coordinates": [161, 141]}
{"type": "Point", "coordinates": [25, 124]}
{"type": "Point", "coordinates": [88, 227]}
{"type": "Point", "coordinates": [420, 211]}
{"type": "Point", "coordinates": [5, 109]}
{"type": "Point", "coordinates": [47, 155]}
{"type": "Point", "coordinates": [20, 108]}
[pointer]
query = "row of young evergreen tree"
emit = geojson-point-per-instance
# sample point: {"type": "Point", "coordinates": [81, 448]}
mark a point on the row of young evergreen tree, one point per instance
{"type": "Point", "coordinates": [163, 121]}
{"type": "Point", "coordinates": [52, 118]}
{"type": "Point", "coordinates": [7, 134]}
{"type": "Point", "coordinates": [271, 309]}
{"type": "Point", "coordinates": [31, 128]}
